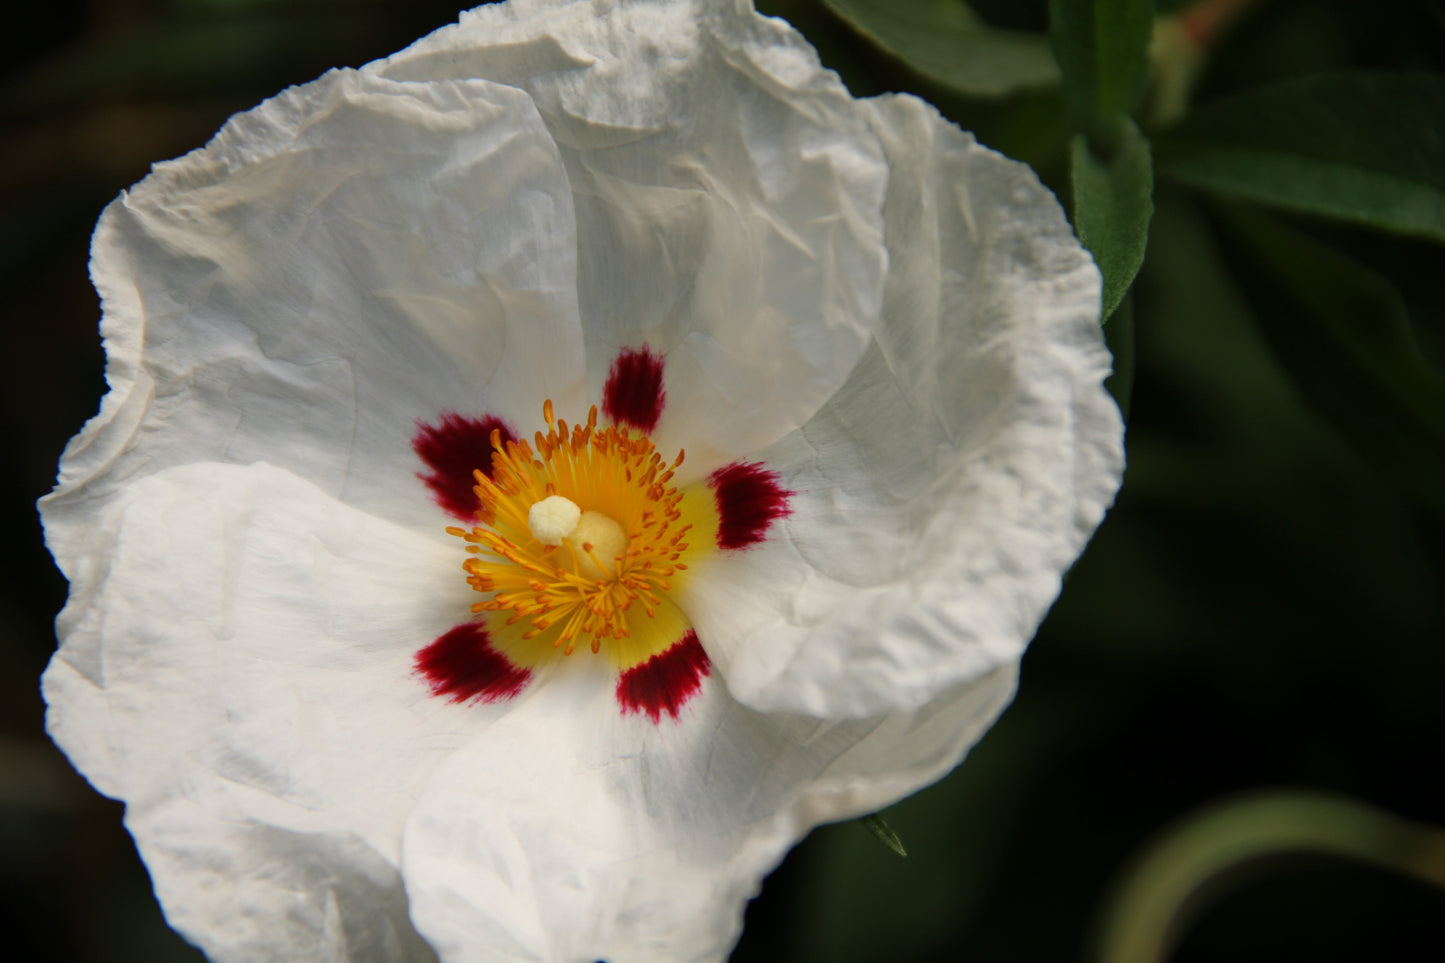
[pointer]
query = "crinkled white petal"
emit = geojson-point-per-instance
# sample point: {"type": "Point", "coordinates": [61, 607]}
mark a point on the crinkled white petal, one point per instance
{"type": "Point", "coordinates": [728, 195]}
{"type": "Point", "coordinates": [352, 255]}
{"type": "Point", "coordinates": [568, 833]}
{"type": "Point", "coordinates": [236, 665]}
{"type": "Point", "coordinates": [943, 491]}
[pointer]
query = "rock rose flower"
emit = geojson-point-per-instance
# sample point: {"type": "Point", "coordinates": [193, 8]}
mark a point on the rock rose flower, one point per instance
{"type": "Point", "coordinates": [547, 471]}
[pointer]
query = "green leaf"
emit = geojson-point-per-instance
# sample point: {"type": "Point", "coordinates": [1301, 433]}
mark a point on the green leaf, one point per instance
{"type": "Point", "coordinates": [884, 833]}
{"type": "Point", "coordinates": [944, 41]}
{"type": "Point", "coordinates": [1341, 331]}
{"type": "Point", "coordinates": [1356, 146]}
{"type": "Point", "coordinates": [1119, 335]}
{"type": "Point", "coordinates": [1113, 202]}
{"type": "Point", "coordinates": [1102, 47]}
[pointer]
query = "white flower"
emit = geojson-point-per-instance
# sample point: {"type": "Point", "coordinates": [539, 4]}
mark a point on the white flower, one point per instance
{"type": "Point", "coordinates": [875, 340]}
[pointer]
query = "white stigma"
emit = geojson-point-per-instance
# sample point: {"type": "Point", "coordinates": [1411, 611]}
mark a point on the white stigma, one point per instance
{"type": "Point", "coordinates": [595, 539]}
{"type": "Point", "coordinates": [553, 519]}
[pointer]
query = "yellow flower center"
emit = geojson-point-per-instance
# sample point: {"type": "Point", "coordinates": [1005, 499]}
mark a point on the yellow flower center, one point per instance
{"type": "Point", "coordinates": [576, 531]}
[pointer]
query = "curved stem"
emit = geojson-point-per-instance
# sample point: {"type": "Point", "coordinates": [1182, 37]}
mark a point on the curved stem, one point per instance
{"type": "Point", "coordinates": [1169, 884]}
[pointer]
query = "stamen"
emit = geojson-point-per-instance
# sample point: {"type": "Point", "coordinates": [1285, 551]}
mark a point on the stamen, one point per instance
{"type": "Point", "coordinates": [576, 526]}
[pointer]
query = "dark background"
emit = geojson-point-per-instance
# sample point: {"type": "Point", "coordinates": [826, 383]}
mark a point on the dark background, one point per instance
{"type": "Point", "coordinates": [1262, 609]}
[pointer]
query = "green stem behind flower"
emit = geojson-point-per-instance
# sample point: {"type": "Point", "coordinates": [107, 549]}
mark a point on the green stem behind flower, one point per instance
{"type": "Point", "coordinates": [1184, 870]}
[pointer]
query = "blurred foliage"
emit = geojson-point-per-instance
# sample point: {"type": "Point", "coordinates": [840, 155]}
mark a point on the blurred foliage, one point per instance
{"type": "Point", "coordinates": [1102, 47]}
{"type": "Point", "coordinates": [1264, 607]}
{"type": "Point", "coordinates": [1344, 335]}
{"type": "Point", "coordinates": [1361, 146]}
{"type": "Point", "coordinates": [945, 42]}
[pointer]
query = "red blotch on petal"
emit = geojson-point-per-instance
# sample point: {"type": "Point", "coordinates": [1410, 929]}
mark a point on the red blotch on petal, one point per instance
{"type": "Point", "coordinates": [633, 394]}
{"type": "Point", "coordinates": [749, 498]}
{"type": "Point", "coordinates": [453, 449]}
{"type": "Point", "coordinates": [462, 665]}
{"type": "Point", "coordinates": [666, 681]}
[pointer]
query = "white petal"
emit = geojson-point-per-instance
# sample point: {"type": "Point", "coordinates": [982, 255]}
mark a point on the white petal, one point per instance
{"type": "Point", "coordinates": [236, 665]}
{"type": "Point", "coordinates": [728, 195]}
{"type": "Point", "coordinates": [350, 256]}
{"type": "Point", "coordinates": [941, 494]}
{"type": "Point", "coordinates": [569, 833]}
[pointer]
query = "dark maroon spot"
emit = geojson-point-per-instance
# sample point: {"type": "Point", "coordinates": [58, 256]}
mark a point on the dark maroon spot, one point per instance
{"type": "Point", "coordinates": [634, 394]}
{"type": "Point", "coordinates": [462, 665]}
{"type": "Point", "coordinates": [665, 681]}
{"type": "Point", "coordinates": [749, 498]}
{"type": "Point", "coordinates": [453, 449]}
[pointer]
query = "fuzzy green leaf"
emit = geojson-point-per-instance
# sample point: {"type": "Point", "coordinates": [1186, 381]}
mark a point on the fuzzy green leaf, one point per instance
{"type": "Point", "coordinates": [884, 833]}
{"type": "Point", "coordinates": [1113, 202]}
